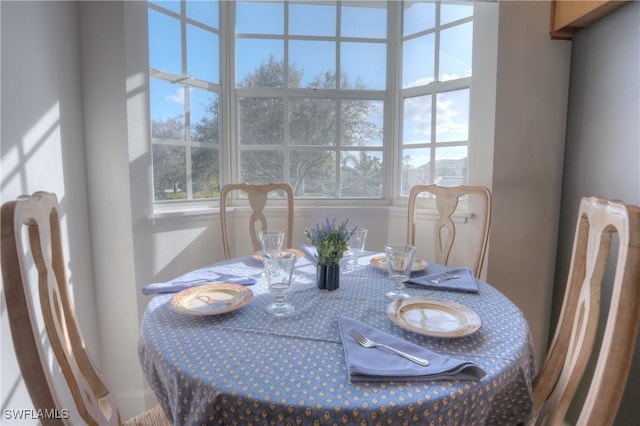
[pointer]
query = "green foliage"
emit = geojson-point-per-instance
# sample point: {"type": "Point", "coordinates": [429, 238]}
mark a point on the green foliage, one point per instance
{"type": "Point", "coordinates": [309, 163]}
{"type": "Point", "coordinates": [331, 242]}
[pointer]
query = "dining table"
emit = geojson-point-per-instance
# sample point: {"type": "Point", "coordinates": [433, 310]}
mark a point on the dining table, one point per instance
{"type": "Point", "coordinates": [246, 367]}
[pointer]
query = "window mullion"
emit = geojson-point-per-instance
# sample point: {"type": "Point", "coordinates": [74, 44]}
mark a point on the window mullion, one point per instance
{"type": "Point", "coordinates": [393, 111]}
{"type": "Point", "coordinates": [228, 104]}
{"type": "Point", "coordinates": [186, 100]}
{"type": "Point", "coordinates": [436, 59]}
{"type": "Point", "coordinates": [338, 102]}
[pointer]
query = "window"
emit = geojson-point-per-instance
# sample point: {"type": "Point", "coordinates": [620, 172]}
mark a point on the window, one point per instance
{"type": "Point", "coordinates": [321, 94]}
{"type": "Point", "coordinates": [436, 78]}
{"type": "Point", "coordinates": [185, 89]}
{"type": "Point", "coordinates": [310, 96]}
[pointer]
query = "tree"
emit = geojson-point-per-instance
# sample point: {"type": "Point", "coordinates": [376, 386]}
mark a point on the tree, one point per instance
{"type": "Point", "coordinates": [169, 177]}
{"type": "Point", "coordinates": [205, 161]}
{"type": "Point", "coordinates": [311, 123]}
{"type": "Point", "coordinates": [361, 175]}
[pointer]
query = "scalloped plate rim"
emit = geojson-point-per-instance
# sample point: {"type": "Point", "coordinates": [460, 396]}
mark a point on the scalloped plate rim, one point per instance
{"type": "Point", "coordinates": [470, 323]}
{"type": "Point", "coordinates": [245, 295]}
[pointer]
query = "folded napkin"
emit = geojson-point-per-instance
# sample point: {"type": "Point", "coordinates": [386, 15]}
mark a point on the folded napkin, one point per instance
{"type": "Point", "coordinates": [465, 280]}
{"type": "Point", "coordinates": [379, 364]}
{"type": "Point", "coordinates": [310, 251]}
{"type": "Point", "coordinates": [191, 279]}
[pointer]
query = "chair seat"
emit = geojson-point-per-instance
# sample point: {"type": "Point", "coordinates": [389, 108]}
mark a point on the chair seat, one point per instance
{"type": "Point", "coordinates": [152, 417]}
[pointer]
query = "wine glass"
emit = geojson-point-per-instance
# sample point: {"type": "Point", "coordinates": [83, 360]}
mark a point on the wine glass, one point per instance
{"type": "Point", "coordinates": [399, 263]}
{"type": "Point", "coordinates": [356, 247]}
{"type": "Point", "coordinates": [271, 240]}
{"type": "Point", "coordinates": [278, 266]}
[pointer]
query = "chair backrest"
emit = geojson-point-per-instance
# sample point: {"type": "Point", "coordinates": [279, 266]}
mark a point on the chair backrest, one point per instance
{"type": "Point", "coordinates": [555, 385]}
{"type": "Point", "coordinates": [31, 238]}
{"type": "Point", "coordinates": [446, 199]}
{"type": "Point", "coordinates": [258, 195]}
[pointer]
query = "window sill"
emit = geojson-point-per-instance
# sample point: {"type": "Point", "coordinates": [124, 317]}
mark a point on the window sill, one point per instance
{"type": "Point", "coordinates": [203, 211]}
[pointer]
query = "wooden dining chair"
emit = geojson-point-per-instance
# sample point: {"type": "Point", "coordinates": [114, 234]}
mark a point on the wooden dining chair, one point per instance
{"type": "Point", "coordinates": [447, 201]}
{"type": "Point", "coordinates": [564, 368]}
{"type": "Point", "coordinates": [258, 195]}
{"type": "Point", "coordinates": [38, 297]}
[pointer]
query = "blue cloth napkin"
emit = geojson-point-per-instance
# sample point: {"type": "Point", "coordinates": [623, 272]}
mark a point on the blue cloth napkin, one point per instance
{"type": "Point", "coordinates": [379, 364]}
{"type": "Point", "coordinates": [466, 281]}
{"type": "Point", "coordinates": [195, 278]}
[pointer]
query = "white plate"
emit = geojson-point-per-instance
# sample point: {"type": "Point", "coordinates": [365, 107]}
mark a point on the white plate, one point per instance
{"type": "Point", "coordinates": [380, 262]}
{"type": "Point", "coordinates": [434, 317]}
{"type": "Point", "coordinates": [211, 299]}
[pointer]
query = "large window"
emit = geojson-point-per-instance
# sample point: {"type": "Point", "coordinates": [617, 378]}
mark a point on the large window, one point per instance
{"type": "Point", "coordinates": [185, 91]}
{"type": "Point", "coordinates": [342, 99]}
{"type": "Point", "coordinates": [436, 76]}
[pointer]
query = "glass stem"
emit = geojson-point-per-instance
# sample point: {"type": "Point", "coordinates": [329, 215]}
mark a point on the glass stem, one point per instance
{"type": "Point", "coordinates": [280, 298]}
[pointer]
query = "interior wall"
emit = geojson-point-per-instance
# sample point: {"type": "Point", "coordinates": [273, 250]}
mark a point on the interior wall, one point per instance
{"type": "Point", "coordinates": [105, 83]}
{"type": "Point", "coordinates": [42, 149]}
{"type": "Point", "coordinates": [531, 102]}
{"type": "Point", "coordinates": [603, 143]}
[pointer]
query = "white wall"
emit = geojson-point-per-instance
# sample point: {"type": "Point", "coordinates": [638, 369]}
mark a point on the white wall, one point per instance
{"type": "Point", "coordinates": [42, 148]}
{"type": "Point", "coordinates": [603, 144]}
{"type": "Point", "coordinates": [531, 101]}
{"type": "Point", "coordinates": [106, 94]}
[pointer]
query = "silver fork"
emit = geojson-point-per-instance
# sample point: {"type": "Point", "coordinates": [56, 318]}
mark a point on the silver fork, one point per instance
{"type": "Point", "coordinates": [443, 278]}
{"type": "Point", "coordinates": [368, 343]}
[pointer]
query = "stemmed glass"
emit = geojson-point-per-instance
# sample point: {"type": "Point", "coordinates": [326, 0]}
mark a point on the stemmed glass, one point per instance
{"type": "Point", "coordinates": [356, 247]}
{"type": "Point", "coordinates": [271, 240]}
{"type": "Point", "coordinates": [278, 266]}
{"type": "Point", "coordinates": [399, 263]}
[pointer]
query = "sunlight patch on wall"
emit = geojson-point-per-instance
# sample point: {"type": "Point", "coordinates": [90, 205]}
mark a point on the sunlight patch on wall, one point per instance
{"type": "Point", "coordinates": [39, 152]}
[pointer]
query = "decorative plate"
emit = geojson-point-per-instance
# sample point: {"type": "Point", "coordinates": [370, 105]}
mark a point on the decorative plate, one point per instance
{"type": "Point", "coordinates": [258, 255]}
{"type": "Point", "coordinates": [434, 317]}
{"type": "Point", "coordinates": [380, 262]}
{"type": "Point", "coordinates": [211, 299]}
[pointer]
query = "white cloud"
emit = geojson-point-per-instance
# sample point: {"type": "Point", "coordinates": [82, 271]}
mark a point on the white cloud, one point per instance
{"type": "Point", "coordinates": [177, 97]}
{"type": "Point", "coordinates": [451, 121]}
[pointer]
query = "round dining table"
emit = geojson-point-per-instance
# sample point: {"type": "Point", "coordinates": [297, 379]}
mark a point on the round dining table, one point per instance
{"type": "Point", "coordinates": [246, 367]}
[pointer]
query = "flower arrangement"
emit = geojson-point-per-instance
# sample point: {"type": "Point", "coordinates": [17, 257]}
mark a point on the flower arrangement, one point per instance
{"type": "Point", "coordinates": [331, 242]}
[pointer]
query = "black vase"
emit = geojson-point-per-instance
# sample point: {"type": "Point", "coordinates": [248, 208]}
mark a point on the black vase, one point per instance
{"type": "Point", "coordinates": [328, 277]}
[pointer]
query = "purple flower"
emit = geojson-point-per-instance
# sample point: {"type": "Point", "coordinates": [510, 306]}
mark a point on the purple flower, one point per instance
{"type": "Point", "coordinates": [330, 241]}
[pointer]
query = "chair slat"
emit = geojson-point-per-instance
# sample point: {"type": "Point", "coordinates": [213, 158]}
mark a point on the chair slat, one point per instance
{"type": "Point", "coordinates": [258, 196]}
{"type": "Point", "coordinates": [35, 283]}
{"type": "Point", "coordinates": [447, 200]}
{"type": "Point", "coordinates": [555, 386]}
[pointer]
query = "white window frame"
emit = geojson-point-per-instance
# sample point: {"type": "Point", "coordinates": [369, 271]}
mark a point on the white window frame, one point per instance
{"type": "Point", "coordinates": [481, 116]}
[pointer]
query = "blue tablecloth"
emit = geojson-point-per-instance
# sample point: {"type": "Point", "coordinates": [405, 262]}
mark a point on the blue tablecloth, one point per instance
{"type": "Point", "coordinates": [248, 368]}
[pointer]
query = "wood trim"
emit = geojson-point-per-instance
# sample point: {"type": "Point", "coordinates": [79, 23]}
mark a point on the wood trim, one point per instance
{"type": "Point", "coordinates": [569, 16]}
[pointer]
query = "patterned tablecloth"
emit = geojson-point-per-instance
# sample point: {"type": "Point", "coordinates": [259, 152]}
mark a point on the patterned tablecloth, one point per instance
{"type": "Point", "coordinates": [249, 368]}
